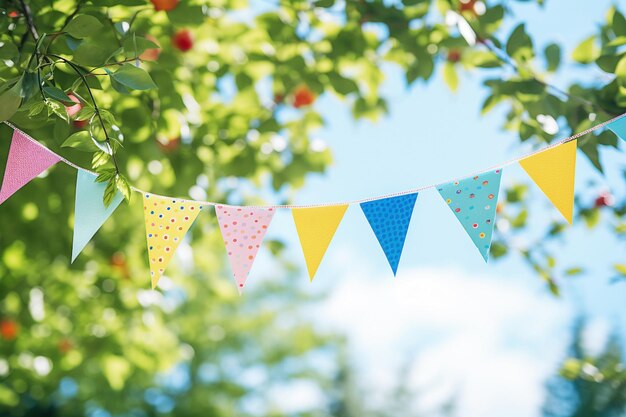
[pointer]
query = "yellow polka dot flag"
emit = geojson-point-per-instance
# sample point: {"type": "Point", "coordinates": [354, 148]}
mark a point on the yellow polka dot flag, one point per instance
{"type": "Point", "coordinates": [553, 171]}
{"type": "Point", "coordinates": [316, 227]}
{"type": "Point", "coordinates": [167, 221]}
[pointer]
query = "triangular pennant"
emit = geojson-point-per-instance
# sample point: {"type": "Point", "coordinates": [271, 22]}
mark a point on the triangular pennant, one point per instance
{"type": "Point", "coordinates": [553, 171]}
{"type": "Point", "coordinates": [90, 213]}
{"type": "Point", "coordinates": [167, 222]}
{"type": "Point", "coordinates": [243, 230]}
{"type": "Point", "coordinates": [316, 227]}
{"type": "Point", "coordinates": [389, 219]}
{"type": "Point", "coordinates": [473, 201]}
{"type": "Point", "coordinates": [26, 160]}
{"type": "Point", "coordinates": [619, 127]}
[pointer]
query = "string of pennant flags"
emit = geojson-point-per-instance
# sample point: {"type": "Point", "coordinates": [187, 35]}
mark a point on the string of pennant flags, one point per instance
{"type": "Point", "coordinates": [472, 200]}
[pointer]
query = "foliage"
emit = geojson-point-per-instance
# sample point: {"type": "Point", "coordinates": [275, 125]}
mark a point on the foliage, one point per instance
{"type": "Point", "coordinates": [588, 385]}
{"type": "Point", "coordinates": [228, 99]}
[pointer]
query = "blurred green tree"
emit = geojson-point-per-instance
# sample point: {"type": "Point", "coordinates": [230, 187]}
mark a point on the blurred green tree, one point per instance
{"type": "Point", "coordinates": [212, 97]}
{"type": "Point", "coordinates": [588, 385]}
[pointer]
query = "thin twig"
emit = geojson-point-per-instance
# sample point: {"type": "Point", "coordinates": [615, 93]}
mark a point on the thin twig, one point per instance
{"type": "Point", "coordinates": [78, 71]}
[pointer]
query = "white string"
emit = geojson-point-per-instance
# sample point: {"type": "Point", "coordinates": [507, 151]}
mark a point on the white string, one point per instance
{"type": "Point", "coordinates": [363, 200]}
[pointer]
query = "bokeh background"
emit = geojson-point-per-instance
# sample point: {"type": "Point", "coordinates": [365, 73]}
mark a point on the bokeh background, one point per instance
{"type": "Point", "coordinates": [536, 332]}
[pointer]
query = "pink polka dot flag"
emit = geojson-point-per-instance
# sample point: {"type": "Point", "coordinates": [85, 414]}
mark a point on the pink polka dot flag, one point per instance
{"type": "Point", "coordinates": [243, 230]}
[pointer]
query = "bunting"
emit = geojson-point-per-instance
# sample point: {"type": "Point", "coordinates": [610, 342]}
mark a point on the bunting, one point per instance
{"type": "Point", "coordinates": [90, 213]}
{"type": "Point", "coordinates": [167, 221]}
{"type": "Point", "coordinates": [553, 171]}
{"type": "Point", "coordinates": [26, 160]}
{"type": "Point", "coordinates": [473, 201]}
{"type": "Point", "coordinates": [618, 127]}
{"type": "Point", "coordinates": [243, 230]}
{"type": "Point", "coordinates": [316, 227]}
{"type": "Point", "coordinates": [389, 219]}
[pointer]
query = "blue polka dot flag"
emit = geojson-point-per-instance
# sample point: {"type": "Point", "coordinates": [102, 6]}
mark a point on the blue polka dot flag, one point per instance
{"type": "Point", "coordinates": [619, 127]}
{"type": "Point", "coordinates": [473, 201]}
{"type": "Point", "coordinates": [389, 219]}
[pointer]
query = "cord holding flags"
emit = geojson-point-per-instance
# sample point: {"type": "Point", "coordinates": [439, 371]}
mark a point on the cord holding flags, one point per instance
{"type": "Point", "coordinates": [472, 200]}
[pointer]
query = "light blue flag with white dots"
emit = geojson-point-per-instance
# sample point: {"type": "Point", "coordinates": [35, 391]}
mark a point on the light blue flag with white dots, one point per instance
{"type": "Point", "coordinates": [90, 212]}
{"type": "Point", "coordinates": [473, 201]}
{"type": "Point", "coordinates": [389, 219]}
{"type": "Point", "coordinates": [619, 127]}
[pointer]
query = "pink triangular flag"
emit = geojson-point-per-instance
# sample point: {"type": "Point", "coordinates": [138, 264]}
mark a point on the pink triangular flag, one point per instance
{"type": "Point", "coordinates": [26, 160]}
{"type": "Point", "coordinates": [243, 230]}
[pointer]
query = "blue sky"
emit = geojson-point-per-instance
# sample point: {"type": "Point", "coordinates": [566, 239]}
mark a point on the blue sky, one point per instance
{"type": "Point", "coordinates": [488, 334]}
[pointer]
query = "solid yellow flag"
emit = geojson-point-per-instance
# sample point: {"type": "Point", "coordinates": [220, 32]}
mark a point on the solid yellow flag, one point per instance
{"type": "Point", "coordinates": [316, 227]}
{"type": "Point", "coordinates": [553, 171]}
{"type": "Point", "coordinates": [167, 221]}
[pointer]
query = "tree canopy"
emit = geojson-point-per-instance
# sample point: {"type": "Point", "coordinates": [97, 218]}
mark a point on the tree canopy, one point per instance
{"type": "Point", "coordinates": [188, 98]}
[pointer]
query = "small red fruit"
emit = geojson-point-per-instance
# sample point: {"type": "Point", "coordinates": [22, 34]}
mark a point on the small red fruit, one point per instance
{"type": "Point", "coordinates": [454, 55]}
{"type": "Point", "coordinates": [65, 345]}
{"type": "Point", "coordinates": [72, 110]}
{"type": "Point", "coordinates": [9, 329]}
{"type": "Point", "coordinates": [302, 96]}
{"type": "Point", "coordinates": [169, 144]}
{"type": "Point", "coordinates": [79, 124]}
{"type": "Point", "coordinates": [467, 5]}
{"type": "Point", "coordinates": [151, 54]}
{"type": "Point", "coordinates": [605, 199]}
{"type": "Point", "coordinates": [166, 5]}
{"type": "Point", "coordinates": [13, 14]}
{"type": "Point", "coordinates": [183, 40]}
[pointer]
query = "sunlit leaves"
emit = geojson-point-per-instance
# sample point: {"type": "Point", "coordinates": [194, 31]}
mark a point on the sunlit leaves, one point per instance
{"type": "Point", "coordinates": [133, 77]}
{"type": "Point", "coordinates": [83, 25]}
{"type": "Point", "coordinates": [587, 51]}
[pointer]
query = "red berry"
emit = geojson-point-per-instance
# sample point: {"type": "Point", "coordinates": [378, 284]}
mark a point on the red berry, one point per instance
{"type": "Point", "coordinates": [166, 5]}
{"type": "Point", "coordinates": [605, 199]}
{"type": "Point", "coordinates": [9, 329]}
{"type": "Point", "coordinates": [169, 144]}
{"type": "Point", "coordinates": [151, 54]}
{"type": "Point", "coordinates": [79, 124]}
{"type": "Point", "coordinates": [65, 345]}
{"type": "Point", "coordinates": [454, 55]}
{"type": "Point", "coordinates": [183, 40]}
{"type": "Point", "coordinates": [467, 5]}
{"type": "Point", "coordinates": [72, 110]}
{"type": "Point", "coordinates": [302, 96]}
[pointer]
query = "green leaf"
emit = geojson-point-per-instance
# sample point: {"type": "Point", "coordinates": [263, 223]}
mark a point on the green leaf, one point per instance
{"type": "Point", "coordinates": [58, 109]}
{"type": "Point", "coordinates": [519, 45]}
{"type": "Point", "coordinates": [99, 159]}
{"type": "Point", "coordinates": [620, 70]}
{"type": "Point", "coordinates": [133, 77]}
{"type": "Point", "coordinates": [122, 185]}
{"type": "Point", "coordinates": [82, 141]}
{"type": "Point", "coordinates": [619, 24]}
{"type": "Point", "coordinates": [116, 369]}
{"type": "Point", "coordinates": [553, 57]}
{"type": "Point", "coordinates": [83, 25]}
{"type": "Point", "coordinates": [58, 94]}
{"type": "Point", "coordinates": [342, 85]}
{"type": "Point", "coordinates": [109, 192]}
{"type": "Point", "coordinates": [135, 45]}
{"type": "Point", "coordinates": [587, 51]}
{"type": "Point", "coordinates": [106, 175]}
{"type": "Point", "coordinates": [91, 54]}
{"type": "Point", "coordinates": [10, 101]}
{"type": "Point", "coordinates": [450, 76]}
{"type": "Point", "coordinates": [608, 63]}
{"type": "Point", "coordinates": [574, 271]}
